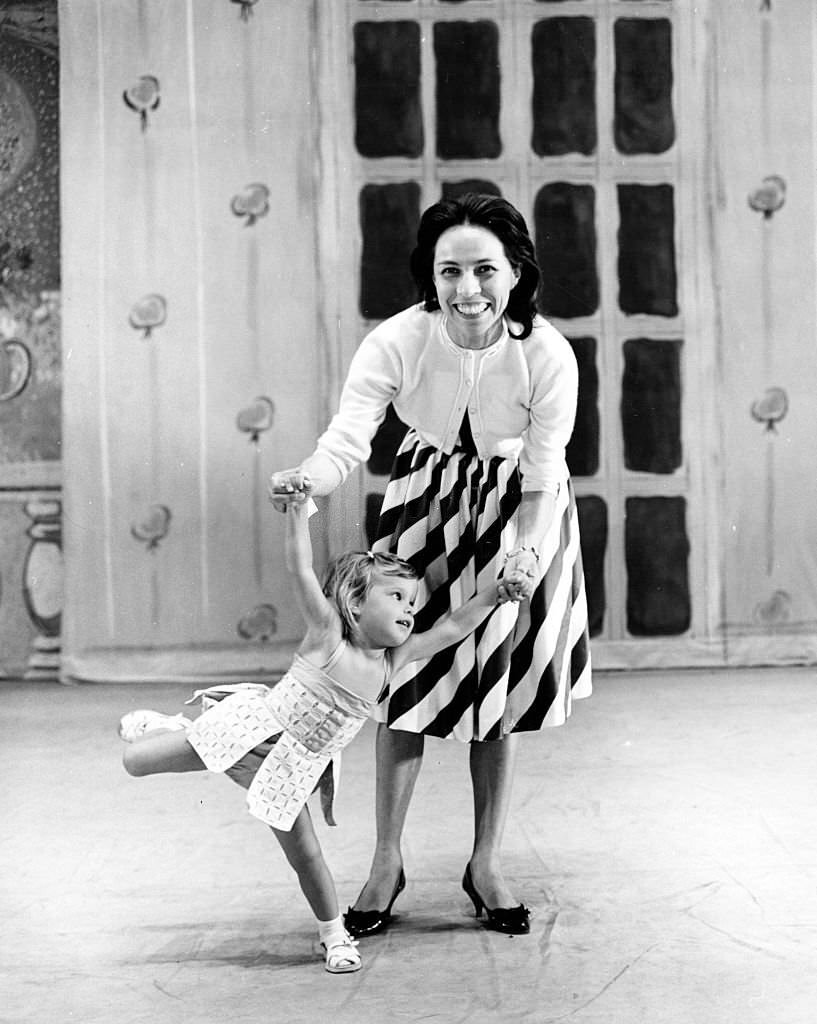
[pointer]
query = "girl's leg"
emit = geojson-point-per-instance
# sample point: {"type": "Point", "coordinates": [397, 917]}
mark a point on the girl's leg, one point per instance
{"type": "Point", "coordinates": [492, 768]}
{"type": "Point", "coordinates": [303, 851]}
{"type": "Point", "coordinates": [399, 756]}
{"type": "Point", "coordinates": [161, 752]}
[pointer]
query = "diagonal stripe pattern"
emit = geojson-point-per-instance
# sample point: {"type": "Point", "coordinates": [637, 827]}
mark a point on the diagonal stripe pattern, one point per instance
{"type": "Point", "coordinates": [452, 517]}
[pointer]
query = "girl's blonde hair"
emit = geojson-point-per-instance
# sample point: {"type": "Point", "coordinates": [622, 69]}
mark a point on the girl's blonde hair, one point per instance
{"type": "Point", "coordinates": [349, 576]}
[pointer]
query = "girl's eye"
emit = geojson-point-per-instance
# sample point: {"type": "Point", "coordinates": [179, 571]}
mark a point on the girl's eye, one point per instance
{"type": "Point", "coordinates": [448, 271]}
{"type": "Point", "coordinates": [485, 270]}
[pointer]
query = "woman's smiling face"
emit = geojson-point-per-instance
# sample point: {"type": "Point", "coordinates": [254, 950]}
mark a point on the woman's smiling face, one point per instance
{"type": "Point", "coordinates": [473, 278]}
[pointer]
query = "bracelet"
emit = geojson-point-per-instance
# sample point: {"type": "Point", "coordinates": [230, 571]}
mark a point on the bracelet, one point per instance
{"type": "Point", "coordinates": [519, 550]}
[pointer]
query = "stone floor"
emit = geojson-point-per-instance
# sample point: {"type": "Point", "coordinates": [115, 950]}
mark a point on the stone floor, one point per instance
{"type": "Point", "coordinates": [666, 839]}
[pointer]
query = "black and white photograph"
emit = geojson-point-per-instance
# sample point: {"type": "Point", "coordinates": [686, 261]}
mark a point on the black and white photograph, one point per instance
{"type": "Point", "coordinates": [408, 524]}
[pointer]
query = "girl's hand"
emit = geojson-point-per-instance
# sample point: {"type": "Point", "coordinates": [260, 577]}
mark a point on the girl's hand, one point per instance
{"type": "Point", "coordinates": [289, 487]}
{"type": "Point", "coordinates": [519, 575]}
{"type": "Point", "coordinates": [514, 586]}
{"type": "Point", "coordinates": [504, 593]}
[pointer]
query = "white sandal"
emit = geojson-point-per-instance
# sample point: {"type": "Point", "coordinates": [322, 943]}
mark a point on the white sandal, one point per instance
{"type": "Point", "coordinates": [135, 724]}
{"type": "Point", "coordinates": [342, 956]}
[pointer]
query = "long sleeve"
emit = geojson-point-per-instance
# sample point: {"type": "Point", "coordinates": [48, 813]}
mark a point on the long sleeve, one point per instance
{"type": "Point", "coordinates": [519, 395]}
{"type": "Point", "coordinates": [554, 394]}
{"type": "Point", "coordinates": [373, 379]}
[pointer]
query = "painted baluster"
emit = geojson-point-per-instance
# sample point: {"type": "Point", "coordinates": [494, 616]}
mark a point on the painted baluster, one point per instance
{"type": "Point", "coordinates": [43, 586]}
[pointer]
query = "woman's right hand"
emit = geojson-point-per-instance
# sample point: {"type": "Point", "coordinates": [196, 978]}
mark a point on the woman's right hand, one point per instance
{"type": "Point", "coordinates": [289, 487]}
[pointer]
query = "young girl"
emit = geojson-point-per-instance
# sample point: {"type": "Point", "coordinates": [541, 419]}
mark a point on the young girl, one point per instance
{"type": "Point", "coordinates": [280, 742]}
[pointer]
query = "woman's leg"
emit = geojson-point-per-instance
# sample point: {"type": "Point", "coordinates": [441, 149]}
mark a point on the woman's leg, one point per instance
{"type": "Point", "coordinates": [161, 752]}
{"type": "Point", "coordinates": [399, 756]}
{"type": "Point", "coordinates": [492, 768]}
{"type": "Point", "coordinates": [303, 851]}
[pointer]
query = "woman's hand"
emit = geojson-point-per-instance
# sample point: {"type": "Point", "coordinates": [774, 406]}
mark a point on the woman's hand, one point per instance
{"type": "Point", "coordinates": [519, 576]}
{"type": "Point", "coordinates": [289, 487]}
{"type": "Point", "coordinates": [507, 590]}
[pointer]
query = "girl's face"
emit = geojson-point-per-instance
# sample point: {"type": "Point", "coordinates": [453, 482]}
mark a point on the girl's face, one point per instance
{"type": "Point", "coordinates": [386, 614]}
{"type": "Point", "coordinates": [474, 279]}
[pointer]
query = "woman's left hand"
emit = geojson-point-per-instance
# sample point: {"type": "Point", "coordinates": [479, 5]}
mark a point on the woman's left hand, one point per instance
{"type": "Point", "coordinates": [519, 576]}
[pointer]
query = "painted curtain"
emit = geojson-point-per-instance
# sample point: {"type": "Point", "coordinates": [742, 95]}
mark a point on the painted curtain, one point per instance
{"type": "Point", "coordinates": [193, 365]}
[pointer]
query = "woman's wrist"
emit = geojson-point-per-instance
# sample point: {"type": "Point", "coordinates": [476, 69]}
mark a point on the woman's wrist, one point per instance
{"type": "Point", "coordinates": [522, 549]}
{"type": "Point", "coordinates": [323, 472]}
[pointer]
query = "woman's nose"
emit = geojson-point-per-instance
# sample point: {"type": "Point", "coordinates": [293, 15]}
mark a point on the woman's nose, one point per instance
{"type": "Point", "coordinates": [467, 284]}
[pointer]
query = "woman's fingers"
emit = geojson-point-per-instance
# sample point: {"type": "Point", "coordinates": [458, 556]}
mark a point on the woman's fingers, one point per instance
{"type": "Point", "coordinates": [288, 486]}
{"type": "Point", "coordinates": [516, 585]}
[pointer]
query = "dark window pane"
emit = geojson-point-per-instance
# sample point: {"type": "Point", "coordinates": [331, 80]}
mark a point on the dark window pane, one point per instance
{"type": "Point", "coordinates": [388, 119]}
{"type": "Point", "coordinates": [646, 250]}
{"type": "Point", "coordinates": [564, 86]}
{"type": "Point", "coordinates": [467, 61]}
{"type": "Point", "coordinates": [593, 531]}
{"type": "Point", "coordinates": [656, 556]}
{"type": "Point", "coordinates": [643, 120]}
{"type": "Point", "coordinates": [651, 405]}
{"type": "Point", "coordinates": [564, 219]}
{"type": "Point", "coordinates": [386, 442]}
{"type": "Point", "coordinates": [583, 449]}
{"type": "Point", "coordinates": [452, 189]}
{"type": "Point", "coordinates": [389, 215]}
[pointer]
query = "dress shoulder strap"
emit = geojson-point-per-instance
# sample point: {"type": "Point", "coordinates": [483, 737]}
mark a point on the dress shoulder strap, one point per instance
{"type": "Point", "coordinates": [333, 657]}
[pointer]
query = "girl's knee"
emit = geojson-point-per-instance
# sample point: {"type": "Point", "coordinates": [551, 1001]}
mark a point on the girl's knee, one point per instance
{"type": "Point", "coordinates": [161, 752]}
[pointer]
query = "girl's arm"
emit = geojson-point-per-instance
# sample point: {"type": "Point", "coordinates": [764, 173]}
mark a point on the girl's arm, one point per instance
{"type": "Point", "coordinates": [314, 606]}
{"type": "Point", "coordinates": [448, 630]}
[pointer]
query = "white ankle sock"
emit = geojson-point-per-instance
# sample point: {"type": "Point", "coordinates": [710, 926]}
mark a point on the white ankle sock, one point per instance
{"type": "Point", "coordinates": [331, 931]}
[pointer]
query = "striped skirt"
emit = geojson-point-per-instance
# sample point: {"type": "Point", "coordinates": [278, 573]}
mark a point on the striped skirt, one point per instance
{"type": "Point", "coordinates": [452, 517]}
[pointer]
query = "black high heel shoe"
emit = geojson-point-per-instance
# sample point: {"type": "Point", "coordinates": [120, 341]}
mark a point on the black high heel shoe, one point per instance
{"type": "Point", "coordinates": [510, 920]}
{"type": "Point", "coordinates": [370, 922]}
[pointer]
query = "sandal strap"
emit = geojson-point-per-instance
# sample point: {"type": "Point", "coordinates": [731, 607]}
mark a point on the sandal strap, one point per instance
{"type": "Point", "coordinates": [342, 955]}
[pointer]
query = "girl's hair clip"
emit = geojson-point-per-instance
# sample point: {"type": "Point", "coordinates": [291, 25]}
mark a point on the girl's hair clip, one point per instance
{"type": "Point", "coordinates": [370, 554]}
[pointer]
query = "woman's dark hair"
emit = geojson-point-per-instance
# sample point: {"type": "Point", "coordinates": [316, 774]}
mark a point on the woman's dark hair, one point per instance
{"type": "Point", "coordinates": [500, 218]}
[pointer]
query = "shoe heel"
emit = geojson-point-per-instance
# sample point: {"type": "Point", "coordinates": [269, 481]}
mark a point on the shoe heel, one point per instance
{"type": "Point", "coordinates": [510, 920]}
{"type": "Point", "coordinates": [369, 922]}
{"type": "Point", "coordinates": [471, 892]}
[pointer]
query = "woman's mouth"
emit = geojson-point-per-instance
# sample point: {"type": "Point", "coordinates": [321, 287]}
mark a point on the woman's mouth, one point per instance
{"type": "Point", "coordinates": [472, 309]}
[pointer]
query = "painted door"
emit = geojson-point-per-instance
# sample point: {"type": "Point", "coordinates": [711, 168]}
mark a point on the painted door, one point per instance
{"type": "Point", "coordinates": [585, 116]}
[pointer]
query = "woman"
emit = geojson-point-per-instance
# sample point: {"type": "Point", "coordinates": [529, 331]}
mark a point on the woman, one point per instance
{"type": "Point", "coordinates": [479, 489]}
